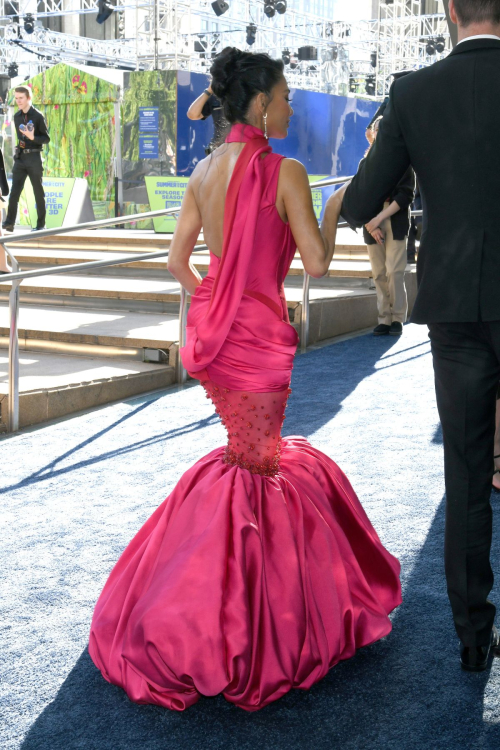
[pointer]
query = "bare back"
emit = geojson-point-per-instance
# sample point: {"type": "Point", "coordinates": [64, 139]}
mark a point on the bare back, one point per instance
{"type": "Point", "coordinates": [210, 182]}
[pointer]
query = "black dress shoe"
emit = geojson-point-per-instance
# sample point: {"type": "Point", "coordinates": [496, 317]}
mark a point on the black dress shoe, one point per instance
{"type": "Point", "coordinates": [475, 658]}
{"type": "Point", "coordinates": [37, 229]}
{"type": "Point", "coordinates": [396, 329]}
{"type": "Point", "coordinates": [8, 227]}
{"type": "Point", "coordinates": [381, 330]}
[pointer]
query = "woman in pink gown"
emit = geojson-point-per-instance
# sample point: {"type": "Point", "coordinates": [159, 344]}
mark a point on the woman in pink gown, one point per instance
{"type": "Point", "coordinates": [261, 570]}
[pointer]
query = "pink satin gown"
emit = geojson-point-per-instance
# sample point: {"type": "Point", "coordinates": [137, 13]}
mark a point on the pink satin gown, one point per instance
{"type": "Point", "coordinates": [261, 570]}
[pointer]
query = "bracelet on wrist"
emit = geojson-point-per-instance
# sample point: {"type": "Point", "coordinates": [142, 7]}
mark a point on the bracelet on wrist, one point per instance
{"type": "Point", "coordinates": [207, 92]}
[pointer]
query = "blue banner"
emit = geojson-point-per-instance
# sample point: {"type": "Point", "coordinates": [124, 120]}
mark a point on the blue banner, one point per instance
{"type": "Point", "coordinates": [148, 146]}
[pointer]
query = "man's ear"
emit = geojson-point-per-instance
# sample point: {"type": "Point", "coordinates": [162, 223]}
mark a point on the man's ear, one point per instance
{"type": "Point", "coordinates": [452, 11]}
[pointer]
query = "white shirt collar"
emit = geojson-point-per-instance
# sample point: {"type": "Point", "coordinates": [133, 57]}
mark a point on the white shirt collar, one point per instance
{"type": "Point", "coordinates": [479, 36]}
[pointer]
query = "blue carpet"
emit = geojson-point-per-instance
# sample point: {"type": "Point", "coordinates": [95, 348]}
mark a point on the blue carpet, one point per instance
{"type": "Point", "coordinates": [75, 492]}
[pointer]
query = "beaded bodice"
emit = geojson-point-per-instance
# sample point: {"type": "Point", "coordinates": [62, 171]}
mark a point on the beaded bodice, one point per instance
{"type": "Point", "coordinates": [253, 422]}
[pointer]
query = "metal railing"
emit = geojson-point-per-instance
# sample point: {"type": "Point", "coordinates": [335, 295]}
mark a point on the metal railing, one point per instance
{"type": "Point", "coordinates": [17, 276]}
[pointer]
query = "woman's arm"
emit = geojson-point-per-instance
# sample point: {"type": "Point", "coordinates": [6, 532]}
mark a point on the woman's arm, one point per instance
{"type": "Point", "coordinates": [195, 111]}
{"type": "Point", "coordinates": [316, 245]}
{"type": "Point", "coordinates": [186, 233]}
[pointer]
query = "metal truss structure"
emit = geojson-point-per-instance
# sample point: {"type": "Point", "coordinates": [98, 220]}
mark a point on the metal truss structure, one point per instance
{"type": "Point", "coordinates": [319, 54]}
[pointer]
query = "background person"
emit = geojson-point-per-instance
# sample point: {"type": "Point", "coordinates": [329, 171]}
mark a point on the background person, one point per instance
{"type": "Point", "coordinates": [207, 105]}
{"type": "Point", "coordinates": [385, 236]}
{"type": "Point", "coordinates": [32, 133]}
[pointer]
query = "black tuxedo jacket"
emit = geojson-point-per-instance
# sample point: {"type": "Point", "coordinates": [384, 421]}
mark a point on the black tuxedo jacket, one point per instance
{"type": "Point", "coordinates": [444, 120]}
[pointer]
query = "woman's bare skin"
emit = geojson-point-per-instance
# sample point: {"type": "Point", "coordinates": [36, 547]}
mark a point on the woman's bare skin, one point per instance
{"type": "Point", "coordinates": [203, 204]}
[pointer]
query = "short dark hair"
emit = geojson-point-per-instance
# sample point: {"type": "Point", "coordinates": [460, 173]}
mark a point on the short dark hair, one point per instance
{"type": "Point", "coordinates": [23, 90]}
{"type": "Point", "coordinates": [477, 11]}
{"type": "Point", "coordinates": [239, 76]}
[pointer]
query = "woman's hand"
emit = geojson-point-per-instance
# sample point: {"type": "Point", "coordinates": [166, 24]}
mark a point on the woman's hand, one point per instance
{"type": "Point", "coordinates": [373, 224]}
{"type": "Point", "coordinates": [378, 236]}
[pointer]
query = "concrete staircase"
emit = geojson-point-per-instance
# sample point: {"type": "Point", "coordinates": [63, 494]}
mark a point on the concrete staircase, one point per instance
{"type": "Point", "coordinates": [87, 339]}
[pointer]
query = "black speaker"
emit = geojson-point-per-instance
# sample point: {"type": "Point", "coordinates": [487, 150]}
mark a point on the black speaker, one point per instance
{"type": "Point", "coordinates": [308, 53]}
{"type": "Point", "coordinates": [220, 7]}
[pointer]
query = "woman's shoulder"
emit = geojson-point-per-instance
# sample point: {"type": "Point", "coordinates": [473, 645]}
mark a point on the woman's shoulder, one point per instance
{"type": "Point", "coordinates": [293, 169]}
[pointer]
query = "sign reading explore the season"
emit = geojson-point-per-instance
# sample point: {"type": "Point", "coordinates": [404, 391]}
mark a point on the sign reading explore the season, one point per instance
{"type": "Point", "coordinates": [165, 192]}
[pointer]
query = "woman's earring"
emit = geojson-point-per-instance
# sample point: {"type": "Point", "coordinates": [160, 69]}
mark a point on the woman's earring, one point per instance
{"type": "Point", "coordinates": [265, 126]}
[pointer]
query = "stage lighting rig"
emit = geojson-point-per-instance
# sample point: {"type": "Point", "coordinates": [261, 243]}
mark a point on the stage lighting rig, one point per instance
{"type": "Point", "coordinates": [430, 47]}
{"type": "Point", "coordinates": [251, 33]}
{"type": "Point", "coordinates": [220, 7]}
{"type": "Point", "coordinates": [373, 59]}
{"type": "Point", "coordinates": [12, 70]}
{"type": "Point", "coordinates": [370, 85]}
{"type": "Point", "coordinates": [269, 8]}
{"type": "Point", "coordinates": [29, 23]}
{"type": "Point", "coordinates": [281, 6]}
{"type": "Point", "coordinates": [440, 44]}
{"type": "Point", "coordinates": [105, 9]}
{"type": "Point", "coordinates": [285, 56]}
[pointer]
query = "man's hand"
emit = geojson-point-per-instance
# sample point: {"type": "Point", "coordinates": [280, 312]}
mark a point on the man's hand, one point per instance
{"type": "Point", "coordinates": [29, 134]}
{"type": "Point", "coordinates": [378, 236]}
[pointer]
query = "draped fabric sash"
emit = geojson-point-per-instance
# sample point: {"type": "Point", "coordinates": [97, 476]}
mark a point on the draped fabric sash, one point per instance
{"type": "Point", "coordinates": [241, 213]}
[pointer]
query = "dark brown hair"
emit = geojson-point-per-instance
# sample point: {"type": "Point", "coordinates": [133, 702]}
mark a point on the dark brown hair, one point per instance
{"type": "Point", "coordinates": [23, 90]}
{"type": "Point", "coordinates": [477, 11]}
{"type": "Point", "coordinates": [239, 76]}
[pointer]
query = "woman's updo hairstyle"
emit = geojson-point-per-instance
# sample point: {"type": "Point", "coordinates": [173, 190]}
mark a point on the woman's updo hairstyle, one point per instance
{"type": "Point", "coordinates": [239, 76]}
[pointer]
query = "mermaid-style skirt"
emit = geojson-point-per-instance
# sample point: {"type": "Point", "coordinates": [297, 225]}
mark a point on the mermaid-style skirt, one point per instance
{"type": "Point", "coordinates": [256, 575]}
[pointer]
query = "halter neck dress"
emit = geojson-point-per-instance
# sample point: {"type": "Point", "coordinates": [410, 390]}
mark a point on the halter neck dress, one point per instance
{"type": "Point", "coordinates": [261, 569]}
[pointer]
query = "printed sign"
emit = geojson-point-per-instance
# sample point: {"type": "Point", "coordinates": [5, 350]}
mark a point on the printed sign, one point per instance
{"type": "Point", "coordinates": [321, 195]}
{"type": "Point", "coordinates": [148, 146]}
{"type": "Point", "coordinates": [57, 194]}
{"type": "Point", "coordinates": [165, 192]}
{"type": "Point", "coordinates": [149, 119]}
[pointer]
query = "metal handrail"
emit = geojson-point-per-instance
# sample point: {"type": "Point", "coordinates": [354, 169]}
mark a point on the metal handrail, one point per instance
{"type": "Point", "coordinates": [17, 276]}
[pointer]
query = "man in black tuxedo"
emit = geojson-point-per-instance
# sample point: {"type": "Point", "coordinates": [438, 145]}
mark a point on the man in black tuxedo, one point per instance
{"type": "Point", "coordinates": [444, 120]}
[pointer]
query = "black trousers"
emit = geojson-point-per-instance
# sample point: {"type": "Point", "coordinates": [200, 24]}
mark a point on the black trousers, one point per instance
{"type": "Point", "coordinates": [28, 165]}
{"type": "Point", "coordinates": [466, 359]}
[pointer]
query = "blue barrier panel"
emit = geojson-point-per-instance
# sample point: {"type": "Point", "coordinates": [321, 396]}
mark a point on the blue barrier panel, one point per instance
{"type": "Point", "coordinates": [327, 133]}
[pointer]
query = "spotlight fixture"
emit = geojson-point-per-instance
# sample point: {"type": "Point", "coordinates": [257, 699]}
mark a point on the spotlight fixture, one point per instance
{"type": "Point", "coordinates": [352, 84]}
{"type": "Point", "coordinates": [105, 9]}
{"type": "Point", "coordinates": [370, 85]}
{"type": "Point", "coordinates": [29, 23]}
{"type": "Point", "coordinates": [251, 32]}
{"type": "Point", "coordinates": [269, 8]}
{"type": "Point", "coordinates": [281, 6]}
{"type": "Point", "coordinates": [285, 56]}
{"type": "Point", "coordinates": [440, 44]}
{"type": "Point", "coordinates": [430, 47]}
{"type": "Point", "coordinates": [12, 70]}
{"type": "Point", "coordinates": [219, 7]}
{"type": "Point", "coordinates": [373, 59]}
